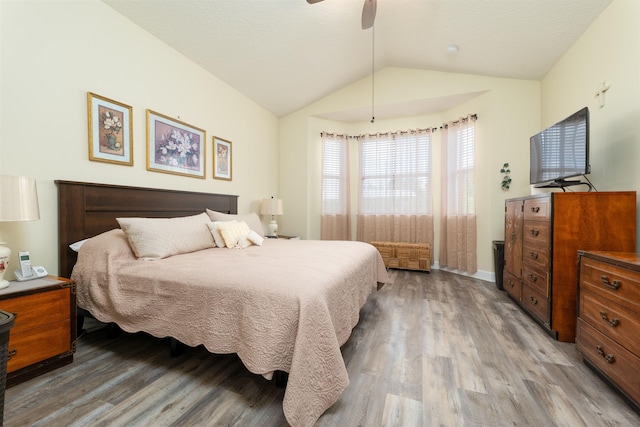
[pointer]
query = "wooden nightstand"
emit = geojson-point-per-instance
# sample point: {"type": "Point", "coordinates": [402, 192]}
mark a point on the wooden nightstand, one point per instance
{"type": "Point", "coordinates": [44, 335]}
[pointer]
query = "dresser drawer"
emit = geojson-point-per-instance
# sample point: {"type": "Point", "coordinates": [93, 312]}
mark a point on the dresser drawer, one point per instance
{"type": "Point", "coordinates": [536, 233]}
{"type": "Point", "coordinates": [621, 366]}
{"type": "Point", "coordinates": [537, 208]}
{"type": "Point", "coordinates": [536, 303]}
{"type": "Point", "coordinates": [615, 283]}
{"type": "Point", "coordinates": [613, 320]}
{"type": "Point", "coordinates": [39, 309]}
{"type": "Point", "coordinates": [512, 285]}
{"type": "Point", "coordinates": [536, 280]}
{"type": "Point", "coordinates": [38, 344]}
{"type": "Point", "coordinates": [536, 257]}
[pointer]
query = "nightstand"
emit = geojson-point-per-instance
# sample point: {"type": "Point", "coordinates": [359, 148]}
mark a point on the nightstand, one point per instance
{"type": "Point", "coordinates": [44, 335]}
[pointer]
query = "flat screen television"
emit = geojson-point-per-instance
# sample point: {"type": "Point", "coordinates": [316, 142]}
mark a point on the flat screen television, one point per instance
{"type": "Point", "coordinates": [561, 151]}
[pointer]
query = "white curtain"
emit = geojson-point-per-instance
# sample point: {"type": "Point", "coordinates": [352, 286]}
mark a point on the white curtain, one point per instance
{"type": "Point", "coordinates": [395, 202]}
{"type": "Point", "coordinates": [335, 223]}
{"type": "Point", "coordinates": [458, 222]}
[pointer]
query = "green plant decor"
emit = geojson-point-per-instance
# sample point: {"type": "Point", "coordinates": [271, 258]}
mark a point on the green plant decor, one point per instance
{"type": "Point", "coordinates": [506, 179]}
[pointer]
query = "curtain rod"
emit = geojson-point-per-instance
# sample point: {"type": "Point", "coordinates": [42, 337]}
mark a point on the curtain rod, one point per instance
{"type": "Point", "coordinates": [403, 132]}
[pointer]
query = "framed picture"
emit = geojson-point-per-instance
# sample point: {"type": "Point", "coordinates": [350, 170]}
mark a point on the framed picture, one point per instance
{"type": "Point", "coordinates": [174, 146]}
{"type": "Point", "coordinates": [221, 159]}
{"type": "Point", "coordinates": [110, 130]}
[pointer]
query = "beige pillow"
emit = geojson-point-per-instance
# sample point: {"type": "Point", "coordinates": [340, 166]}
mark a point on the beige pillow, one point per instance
{"type": "Point", "coordinates": [252, 219]}
{"type": "Point", "coordinates": [231, 231]}
{"type": "Point", "coordinates": [156, 238]}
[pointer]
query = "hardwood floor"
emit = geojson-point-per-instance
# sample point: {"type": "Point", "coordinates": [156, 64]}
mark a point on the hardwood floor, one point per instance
{"type": "Point", "coordinates": [430, 350]}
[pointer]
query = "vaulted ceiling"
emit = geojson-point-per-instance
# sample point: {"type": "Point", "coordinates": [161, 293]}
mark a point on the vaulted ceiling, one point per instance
{"type": "Point", "coordinates": [286, 54]}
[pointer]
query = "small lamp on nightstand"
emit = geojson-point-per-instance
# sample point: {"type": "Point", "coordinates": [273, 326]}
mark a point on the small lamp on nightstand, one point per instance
{"type": "Point", "coordinates": [18, 202]}
{"type": "Point", "coordinates": [272, 207]}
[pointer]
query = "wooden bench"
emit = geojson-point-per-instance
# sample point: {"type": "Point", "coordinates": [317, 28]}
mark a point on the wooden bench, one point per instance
{"type": "Point", "coordinates": [409, 256]}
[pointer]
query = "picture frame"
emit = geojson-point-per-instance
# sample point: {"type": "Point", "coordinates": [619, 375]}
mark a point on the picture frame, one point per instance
{"type": "Point", "coordinates": [110, 125]}
{"type": "Point", "coordinates": [175, 147]}
{"type": "Point", "coordinates": [222, 159]}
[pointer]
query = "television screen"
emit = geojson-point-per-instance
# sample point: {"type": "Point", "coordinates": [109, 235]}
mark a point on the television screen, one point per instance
{"type": "Point", "coordinates": [561, 151]}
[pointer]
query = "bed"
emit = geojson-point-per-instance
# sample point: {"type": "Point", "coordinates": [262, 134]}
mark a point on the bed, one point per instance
{"type": "Point", "coordinates": [286, 305]}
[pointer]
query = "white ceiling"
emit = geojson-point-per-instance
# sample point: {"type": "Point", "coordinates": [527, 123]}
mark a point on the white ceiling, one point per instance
{"type": "Point", "coordinates": [286, 54]}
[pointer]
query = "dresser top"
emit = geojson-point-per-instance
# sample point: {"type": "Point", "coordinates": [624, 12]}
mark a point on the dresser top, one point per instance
{"type": "Point", "coordinates": [629, 260]}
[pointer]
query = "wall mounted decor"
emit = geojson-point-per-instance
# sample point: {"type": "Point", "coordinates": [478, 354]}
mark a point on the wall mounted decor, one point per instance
{"type": "Point", "coordinates": [222, 164]}
{"type": "Point", "coordinates": [174, 146]}
{"type": "Point", "coordinates": [110, 130]}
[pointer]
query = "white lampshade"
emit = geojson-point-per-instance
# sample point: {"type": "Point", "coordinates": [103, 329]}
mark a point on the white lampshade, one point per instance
{"type": "Point", "coordinates": [18, 202]}
{"type": "Point", "coordinates": [271, 206]}
{"type": "Point", "coordinates": [18, 198]}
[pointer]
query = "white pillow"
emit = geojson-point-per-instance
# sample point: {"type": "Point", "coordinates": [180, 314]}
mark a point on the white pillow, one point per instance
{"type": "Point", "coordinates": [215, 232]}
{"type": "Point", "coordinates": [77, 245]}
{"type": "Point", "coordinates": [156, 238]}
{"type": "Point", "coordinates": [252, 219]}
{"type": "Point", "coordinates": [252, 238]}
{"type": "Point", "coordinates": [232, 230]}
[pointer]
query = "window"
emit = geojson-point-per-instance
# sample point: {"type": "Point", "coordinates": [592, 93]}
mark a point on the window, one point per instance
{"type": "Point", "coordinates": [460, 169]}
{"type": "Point", "coordinates": [395, 174]}
{"type": "Point", "coordinates": [335, 179]}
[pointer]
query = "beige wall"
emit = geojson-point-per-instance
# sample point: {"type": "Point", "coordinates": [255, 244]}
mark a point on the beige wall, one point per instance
{"type": "Point", "coordinates": [609, 51]}
{"type": "Point", "coordinates": [53, 53]}
{"type": "Point", "coordinates": [509, 113]}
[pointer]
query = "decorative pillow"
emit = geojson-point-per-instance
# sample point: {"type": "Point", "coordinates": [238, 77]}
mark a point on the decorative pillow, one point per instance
{"type": "Point", "coordinates": [252, 219]}
{"type": "Point", "coordinates": [77, 245]}
{"type": "Point", "coordinates": [215, 232]}
{"type": "Point", "coordinates": [252, 238]}
{"type": "Point", "coordinates": [156, 238]}
{"type": "Point", "coordinates": [232, 230]}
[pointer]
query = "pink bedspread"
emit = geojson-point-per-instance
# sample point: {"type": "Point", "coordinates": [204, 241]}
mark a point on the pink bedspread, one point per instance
{"type": "Point", "coordinates": [287, 305]}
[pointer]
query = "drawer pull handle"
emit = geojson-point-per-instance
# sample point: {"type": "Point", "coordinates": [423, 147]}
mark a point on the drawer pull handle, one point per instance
{"type": "Point", "coordinates": [613, 321]}
{"type": "Point", "coordinates": [535, 209]}
{"type": "Point", "coordinates": [534, 232]}
{"type": "Point", "coordinates": [511, 283]}
{"type": "Point", "coordinates": [532, 277]}
{"type": "Point", "coordinates": [609, 357]}
{"type": "Point", "coordinates": [533, 300]}
{"type": "Point", "coordinates": [611, 285]}
{"type": "Point", "coordinates": [533, 255]}
{"type": "Point", "coordinates": [12, 352]}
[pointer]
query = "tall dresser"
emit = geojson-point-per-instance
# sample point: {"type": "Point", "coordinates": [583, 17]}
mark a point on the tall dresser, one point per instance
{"type": "Point", "coordinates": [609, 319]}
{"type": "Point", "coordinates": [543, 234]}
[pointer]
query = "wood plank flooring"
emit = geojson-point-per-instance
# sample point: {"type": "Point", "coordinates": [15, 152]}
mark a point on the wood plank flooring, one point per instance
{"type": "Point", "coordinates": [433, 349]}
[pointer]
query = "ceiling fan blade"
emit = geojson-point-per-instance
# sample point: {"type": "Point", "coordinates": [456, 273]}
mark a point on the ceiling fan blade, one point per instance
{"type": "Point", "coordinates": [368, 13]}
{"type": "Point", "coordinates": [313, 1]}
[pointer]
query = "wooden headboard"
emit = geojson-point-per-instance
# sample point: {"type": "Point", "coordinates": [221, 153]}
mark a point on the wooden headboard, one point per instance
{"type": "Point", "coordinates": [87, 209]}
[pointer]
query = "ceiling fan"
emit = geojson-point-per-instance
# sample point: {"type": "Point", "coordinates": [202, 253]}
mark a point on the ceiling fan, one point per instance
{"type": "Point", "coordinates": [368, 12]}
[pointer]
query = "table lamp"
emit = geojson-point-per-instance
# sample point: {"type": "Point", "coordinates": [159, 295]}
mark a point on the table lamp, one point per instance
{"type": "Point", "coordinates": [272, 207]}
{"type": "Point", "coordinates": [18, 202]}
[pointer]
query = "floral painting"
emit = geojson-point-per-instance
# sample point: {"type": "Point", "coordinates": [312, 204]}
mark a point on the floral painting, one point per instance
{"type": "Point", "coordinates": [174, 146]}
{"type": "Point", "coordinates": [110, 130]}
{"type": "Point", "coordinates": [221, 158]}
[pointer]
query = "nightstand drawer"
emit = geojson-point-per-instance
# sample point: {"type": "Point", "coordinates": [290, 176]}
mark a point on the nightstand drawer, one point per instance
{"type": "Point", "coordinates": [40, 309]}
{"type": "Point", "coordinates": [38, 344]}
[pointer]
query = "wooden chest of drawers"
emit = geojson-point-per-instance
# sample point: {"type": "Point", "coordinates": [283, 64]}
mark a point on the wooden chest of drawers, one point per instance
{"type": "Point", "coordinates": [609, 318]}
{"type": "Point", "coordinates": [543, 234]}
{"type": "Point", "coordinates": [43, 337]}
